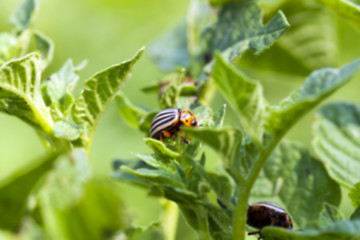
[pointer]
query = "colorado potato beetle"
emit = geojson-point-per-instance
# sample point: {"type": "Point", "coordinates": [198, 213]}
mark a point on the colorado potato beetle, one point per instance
{"type": "Point", "coordinates": [168, 122]}
{"type": "Point", "coordinates": [264, 214]}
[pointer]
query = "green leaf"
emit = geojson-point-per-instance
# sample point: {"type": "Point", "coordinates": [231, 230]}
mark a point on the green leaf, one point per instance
{"type": "Point", "coordinates": [240, 28]}
{"type": "Point", "coordinates": [348, 10]}
{"type": "Point", "coordinates": [293, 172]}
{"type": "Point", "coordinates": [227, 143]}
{"type": "Point", "coordinates": [309, 44]}
{"type": "Point", "coordinates": [356, 214]}
{"type": "Point", "coordinates": [243, 94]}
{"type": "Point", "coordinates": [171, 94]}
{"type": "Point", "coordinates": [22, 15]}
{"type": "Point", "coordinates": [20, 92]}
{"type": "Point", "coordinates": [15, 190]}
{"type": "Point", "coordinates": [156, 176]}
{"type": "Point", "coordinates": [12, 46]}
{"type": "Point", "coordinates": [98, 91]}
{"type": "Point", "coordinates": [67, 131]}
{"type": "Point", "coordinates": [45, 47]}
{"type": "Point", "coordinates": [319, 85]}
{"type": "Point", "coordinates": [343, 230]}
{"type": "Point", "coordinates": [154, 231]}
{"type": "Point", "coordinates": [311, 38]}
{"type": "Point", "coordinates": [219, 116]}
{"type": "Point", "coordinates": [329, 214]}
{"type": "Point", "coordinates": [129, 112]}
{"type": "Point", "coordinates": [354, 195]}
{"type": "Point", "coordinates": [222, 2]}
{"type": "Point", "coordinates": [336, 141]}
{"type": "Point", "coordinates": [75, 206]}
{"type": "Point", "coordinates": [160, 147]}
{"type": "Point", "coordinates": [170, 50]}
{"type": "Point", "coordinates": [199, 18]}
{"type": "Point", "coordinates": [59, 87]}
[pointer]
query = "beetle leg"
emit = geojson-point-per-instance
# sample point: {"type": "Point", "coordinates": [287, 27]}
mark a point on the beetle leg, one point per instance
{"type": "Point", "coordinates": [166, 134]}
{"type": "Point", "coordinates": [161, 137]}
{"type": "Point", "coordinates": [183, 136]}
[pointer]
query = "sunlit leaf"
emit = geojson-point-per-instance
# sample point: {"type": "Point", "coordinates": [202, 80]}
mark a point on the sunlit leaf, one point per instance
{"type": "Point", "coordinates": [98, 91]}
{"type": "Point", "coordinates": [59, 87]}
{"type": "Point", "coordinates": [160, 147]}
{"type": "Point", "coordinates": [319, 85]}
{"type": "Point", "coordinates": [12, 46]}
{"type": "Point", "coordinates": [243, 94]}
{"type": "Point", "coordinates": [20, 92]}
{"type": "Point", "coordinates": [15, 190]}
{"type": "Point", "coordinates": [67, 131]}
{"type": "Point", "coordinates": [336, 141]}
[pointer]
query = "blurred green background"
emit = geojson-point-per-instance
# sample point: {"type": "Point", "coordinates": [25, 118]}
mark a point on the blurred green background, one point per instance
{"type": "Point", "coordinates": [109, 31]}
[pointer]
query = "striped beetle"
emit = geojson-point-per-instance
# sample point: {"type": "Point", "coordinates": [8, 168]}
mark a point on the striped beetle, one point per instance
{"type": "Point", "coordinates": [264, 214]}
{"type": "Point", "coordinates": [168, 122]}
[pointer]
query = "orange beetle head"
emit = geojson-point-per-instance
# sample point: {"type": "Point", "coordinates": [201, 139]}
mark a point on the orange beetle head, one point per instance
{"type": "Point", "coordinates": [187, 118]}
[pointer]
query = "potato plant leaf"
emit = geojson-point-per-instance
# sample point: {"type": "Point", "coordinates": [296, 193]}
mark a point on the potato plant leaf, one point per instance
{"type": "Point", "coordinates": [226, 142]}
{"type": "Point", "coordinates": [343, 230]}
{"type": "Point", "coordinates": [349, 10]}
{"type": "Point", "coordinates": [221, 2]}
{"type": "Point", "coordinates": [294, 172]}
{"type": "Point", "coordinates": [356, 214]}
{"type": "Point", "coordinates": [243, 94]}
{"type": "Point", "coordinates": [70, 196]}
{"type": "Point", "coordinates": [336, 141]}
{"type": "Point", "coordinates": [160, 148]}
{"type": "Point", "coordinates": [15, 190]}
{"type": "Point", "coordinates": [130, 113]}
{"type": "Point", "coordinates": [58, 89]}
{"type": "Point", "coordinates": [22, 15]}
{"type": "Point", "coordinates": [240, 28]}
{"type": "Point", "coordinates": [151, 232]}
{"type": "Point", "coordinates": [12, 46]}
{"type": "Point", "coordinates": [20, 92]}
{"type": "Point", "coordinates": [309, 44]}
{"type": "Point", "coordinates": [45, 47]}
{"type": "Point", "coordinates": [354, 195]}
{"type": "Point", "coordinates": [219, 117]}
{"type": "Point", "coordinates": [67, 130]}
{"type": "Point", "coordinates": [172, 92]}
{"type": "Point", "coordinates": [98, 91]}
{"type": "Point", "coordinates": [319, 85]}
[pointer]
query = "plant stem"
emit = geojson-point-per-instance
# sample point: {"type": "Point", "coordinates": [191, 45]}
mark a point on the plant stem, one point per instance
{"type": "Point", "coordinates": [240, 215]}
{"type": "Point", "coordinates": [170, 220]}
{"type": "Point", "coordinates": [203, 232]}
{"type": "Point", "coordinates": [239, 226]}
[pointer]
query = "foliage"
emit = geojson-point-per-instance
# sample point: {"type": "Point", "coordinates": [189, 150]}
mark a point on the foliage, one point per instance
{"type": "Point", "coordinates": [57, 195]}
